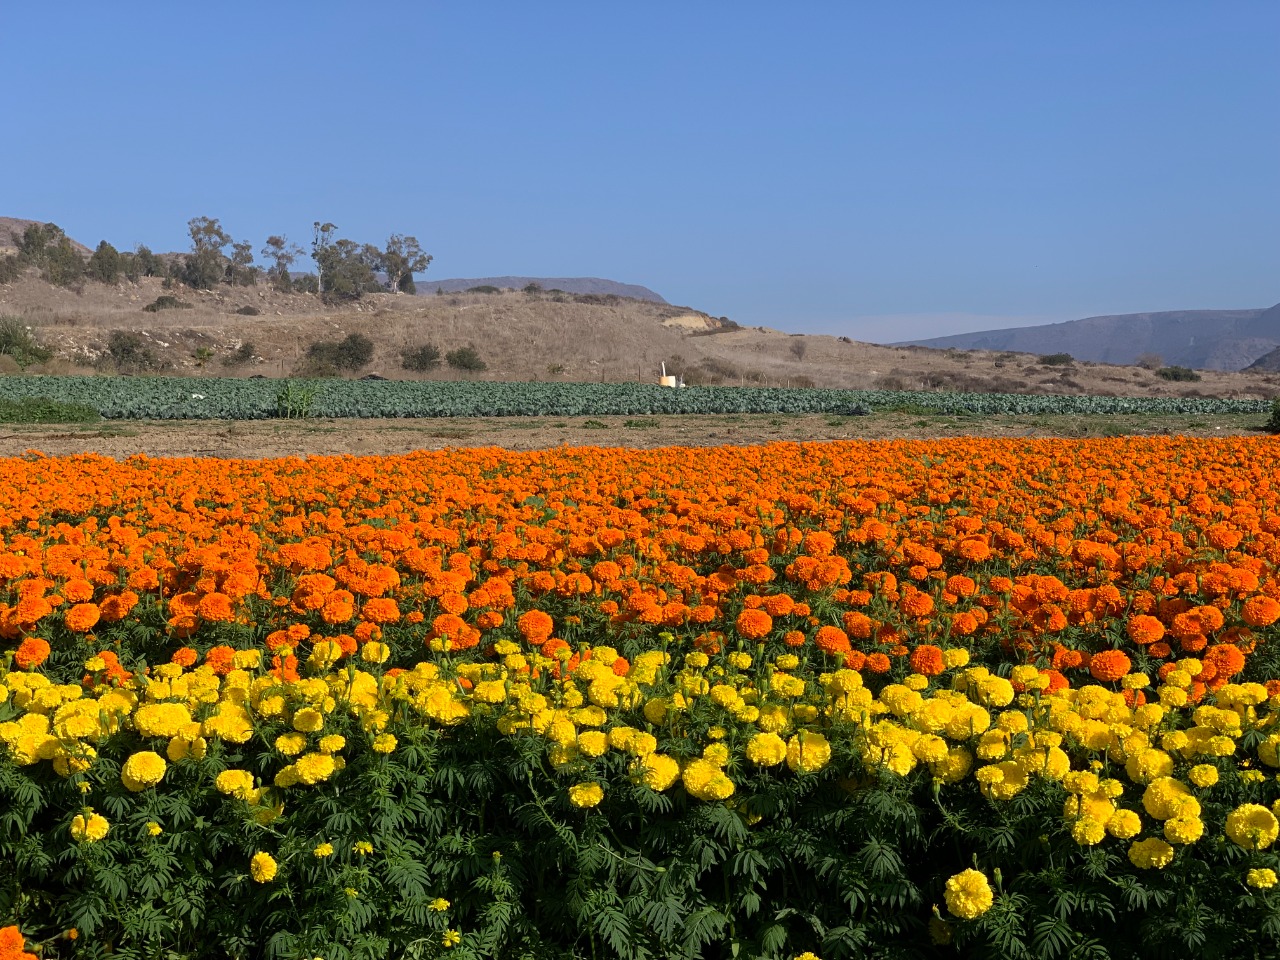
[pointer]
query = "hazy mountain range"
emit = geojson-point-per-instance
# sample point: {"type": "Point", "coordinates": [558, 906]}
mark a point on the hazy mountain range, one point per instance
{"type": "Point", "coordinates": [428, 285]}
{"type": "Point", "coordinates": [1200, 339]}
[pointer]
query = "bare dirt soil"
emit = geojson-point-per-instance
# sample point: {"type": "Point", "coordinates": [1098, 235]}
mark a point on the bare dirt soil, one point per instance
{"type": "Point", "coordinates": [304, 438]}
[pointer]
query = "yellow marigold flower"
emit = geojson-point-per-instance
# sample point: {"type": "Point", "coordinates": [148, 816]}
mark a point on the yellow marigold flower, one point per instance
{"type": "Point", "coordinates": [1183, 830]}
{"type": "Point", "coordinates": [658, 772]}
{"type": "Point", "coordinates": [1252, 826]}
{"type": "Point", "coordinates": [313, 768]}
{"type": "Point", "coordinates": [1203, 775]}
{"type": "Point", "coordinates": [451, 939]}
{"type": "Point", "coordinates": [323, 850]}
{"type": "Point", "coordinates": [1152, 853]}
{"type": "Point", "coordinates": [262, 867]}
{"type": "Point", "coordinates": [955, 658]}
{"type": "Point", "coordinates": [291, 744]}
{"type": "Point", "coordinates": [235, 783]}
{"type": "Point", "coordinates": [89, 828]}
{"type": "Point", "coordinates": [308, 720]}
{"type": "Point", "coordinates": [593, 743]}
{"type": "Point", "coordinates": [1124, 825]}
{"type": "Point", "coordinates": [585, 795]}
{"type": "Point", "coordinates": [808, 752]}
{"type": "Point", "coordinates": [1088, 832]}
{"type": "Point", "coordinates": [362, 847]}
{"type": "Point", "coordinates": [968, 895]}
{"type": "Point", "coordinates": [1263, 879]}
{"type": "Point", "coordinates": [332, 743]}
{"type": "Point", "coordinates": [807, 955]}
{"type": "Point", "coordinates": [490, 691]}
{"type": "Point", "coordinates": [383, 743]}
{"type": "Point", "coordinates": [739, 661]}
{"type": "Point", "coordinates": [439, 905]}
{"type": "Point", "coordinates": [696, 660]}
{"type": "Point", "coordinates": [375, 652]}
{"type": "Point", "coordinates": [246, 659]}
{"type": "Point", "coordinates": [154, 829]}
{"type": "Point", "coordinates": [717, 753]}
{"type": "Point", "coordinates": [142, 770]}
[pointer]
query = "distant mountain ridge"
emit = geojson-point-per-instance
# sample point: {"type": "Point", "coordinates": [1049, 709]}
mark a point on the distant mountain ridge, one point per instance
{"type": "Point", "coordinates": [429, 285]}
{"type": "Point", "coordinates": [1200, 339]}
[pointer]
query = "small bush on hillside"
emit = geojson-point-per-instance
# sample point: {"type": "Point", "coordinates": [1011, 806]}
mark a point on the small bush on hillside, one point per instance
{"type": "Point", "coordinates": [352, 352]}
{"type": "Point", "coordinates": [1056, 360]}
{"type": "Point", "coordinates": [249, 311]}
{"type": "Point", "coordinates": [484, 288]}
{"type": "Point", "coordinates": [1149, 361]}
{"type": "Point", "coordinates": [166, 301]}
{"type": "Point", "coordinates": [240, 355]}
{"type": "Point", "coordinates": [10, 269]}
{"type": "Point", "coordinates": [16, 341]}
{"type": "Point", "coordinates": [533, 288]}
{"type": "Point", "coordinates": [130, 352]}
{"type": "Point", "coordinates": [420, 359]}
{"type": "Point", "coordinates": [465, 358]}
{"type": "Point", "coordinates": [1181, 374]}
{"type": "Point", "coordinates": [307, 283]}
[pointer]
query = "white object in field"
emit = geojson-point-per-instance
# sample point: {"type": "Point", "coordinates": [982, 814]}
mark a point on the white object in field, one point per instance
{"type": "Point", "coordinates": [667, 382]}
{"type": "Point", "coordinates": [664, 369]}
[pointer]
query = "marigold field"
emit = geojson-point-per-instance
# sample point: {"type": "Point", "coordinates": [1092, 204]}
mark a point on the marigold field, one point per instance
{"type": "Point", "coordinates": [965, 698]}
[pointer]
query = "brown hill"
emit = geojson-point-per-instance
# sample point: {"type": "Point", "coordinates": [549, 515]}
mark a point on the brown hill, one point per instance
{"type": "Point", "coordinates": [428, 285]}
{"type": "Point", "coordinates": [13, 227]}
{"type": "Point", "coordinates": [522, 337]}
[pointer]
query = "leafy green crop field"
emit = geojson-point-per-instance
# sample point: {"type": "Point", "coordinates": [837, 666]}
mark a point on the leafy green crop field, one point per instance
{"type": "Point", "coordinates": [169, 398]}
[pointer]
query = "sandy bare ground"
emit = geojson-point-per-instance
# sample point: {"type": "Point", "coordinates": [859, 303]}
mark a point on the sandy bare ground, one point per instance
{"type": "Point", "coordinates": [285, 438]}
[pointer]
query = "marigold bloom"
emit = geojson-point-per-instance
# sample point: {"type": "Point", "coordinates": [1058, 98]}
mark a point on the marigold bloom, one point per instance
{"type": "Point", "coordinates": [142, 770]}
{"type": "Point", "coordinates": [754, 624]}
{"type": "Point", "coordinates": [262, 867]}
{"type": "Point", "coordinates": [968, 895]}
{"type": "Point", "coordinates": [586, 794]}
{"type": "Point", "coordinates": [926, 659]}
{"type": "Point", "coordinates": [89, 828]}
{"type": "Point", "coordinates": [1252, 826]}
{"type": "Point", "coordinates": [32, 652]}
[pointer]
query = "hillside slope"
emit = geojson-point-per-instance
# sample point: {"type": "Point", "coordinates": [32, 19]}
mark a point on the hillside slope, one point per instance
{"type": "Point", "coordinates": [595, 285]}
{"type": "Point", "coordinates": [560, 337]}
{"type": "Point", "coordinates": [1200, 339]}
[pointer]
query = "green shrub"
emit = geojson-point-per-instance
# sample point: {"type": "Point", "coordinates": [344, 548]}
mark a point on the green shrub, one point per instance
{"type": "Point", "coordinates": [131, 353]}
{"type": "Point", "coordinates": [420, 359]}
{"type": "Point", "coordinates": [1181, 374]}
{"type": "Point", "coordinates": [352, 352]}
{"type": "Point", "coordinates": [484, 288]}
{"type": "Point", "coordinates": [1273, 425]}
{"type": "Point", "coordinates": [465, 358]}
{"type": "Point", "coordinates": [105, 265]}
{"type": "Point", "coordinates": [16, 341]}
{"type": "Point", "coordinates": [166, 301]}
{"type": "Point", "coordinates": [1056, 360]}
{"type": "Point", "coordinates": [240, 355]}
{"type": "Point", "coordinates": [249, 311]}
{"type": "Point", "coordinates": [44, 410]}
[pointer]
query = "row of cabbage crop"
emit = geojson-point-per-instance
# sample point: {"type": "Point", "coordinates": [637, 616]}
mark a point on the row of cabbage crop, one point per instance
{"type": "Point", "coordinates": [169, 398]}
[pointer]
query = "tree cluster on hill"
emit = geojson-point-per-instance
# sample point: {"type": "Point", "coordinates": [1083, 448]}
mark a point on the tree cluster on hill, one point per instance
{"type": "Point", "coordinates": [345, 269]}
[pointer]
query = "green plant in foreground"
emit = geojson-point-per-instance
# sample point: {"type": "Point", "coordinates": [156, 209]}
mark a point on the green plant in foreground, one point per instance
{"type": "Point", "coordinates": [44, 410]}
{"type": "Point", "coordinates": [1273, 425]}
{"type": "Point", "coordinates": [16, 341]}
{"type": "Point", "coordinates": [294, 401]}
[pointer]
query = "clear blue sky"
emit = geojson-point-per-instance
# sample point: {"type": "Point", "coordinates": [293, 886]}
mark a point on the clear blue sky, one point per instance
{"type": "Point", "coordinates": [879, 170]}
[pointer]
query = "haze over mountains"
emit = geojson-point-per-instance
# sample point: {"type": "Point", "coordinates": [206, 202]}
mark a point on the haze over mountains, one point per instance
{"type": "Point", "coordinates": [1199, 339]}
{"type": "Point", "coordinates": [429, 285]}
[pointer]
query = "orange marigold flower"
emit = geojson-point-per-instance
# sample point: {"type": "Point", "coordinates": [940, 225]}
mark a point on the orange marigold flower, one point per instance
{"type": "Point", "coordinates": [754, 624]}
{"type": "Point", "coordinates": [794, 638]}
{"type": "Point", "coordinates": [115, 607]}
{"type": "Point", "coordinates": [184, 657]}
{"type": "Point", "coordinates": [1144, 629]}
{"type": "Point", "coordinates": [1226, 658]}
{"type": "Point", "coordinates": [535, 626]}
{"type": "Point", "coordinates": [380, 610]}
{"type": "Point", "coordinates": [832, 641]}
{"type": "Point", "coordinates": [32, 652]}
{"type": "Point", "coordinates": [1261, 611]}
{"type": "Point", "coordinates": [1109, 665]}
{"type": "Point", "coordinates": [858, 624]}
{"type": "Point", "coordinates": [927, 659]}
{"type": "Point", "coordinates": [216, 608]}
{"type": "Point", "coordinates": [878, 663]}
{"type": "Point", "coordinates": [219, 659]}
{"type": "Point", "coordinates": [855, 659]}
{"type": "Point", "coordinates": [82, 617]}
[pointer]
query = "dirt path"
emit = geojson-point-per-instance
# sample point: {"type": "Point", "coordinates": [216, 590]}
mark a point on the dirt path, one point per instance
{"type": "Point", "coordinates": [283, 438]}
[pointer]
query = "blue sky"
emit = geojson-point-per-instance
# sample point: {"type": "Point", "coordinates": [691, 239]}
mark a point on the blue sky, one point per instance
{"type": "Point", "coordinates": [877, 170]}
